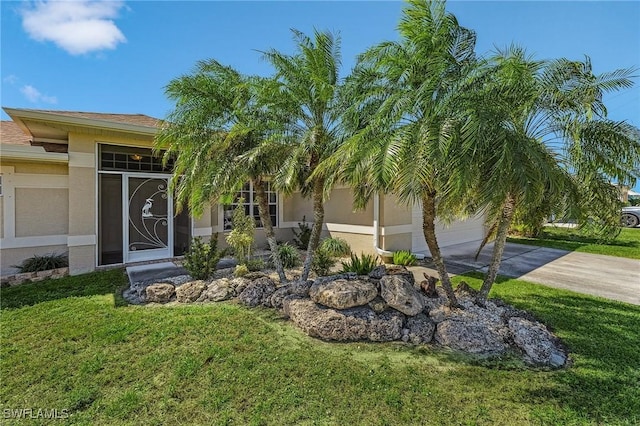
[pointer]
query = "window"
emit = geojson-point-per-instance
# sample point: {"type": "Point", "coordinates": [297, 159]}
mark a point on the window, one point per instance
{"type": "Point", "coordinates": [120, 158]}
{"type": "Point", "coordinates": [251, 206]}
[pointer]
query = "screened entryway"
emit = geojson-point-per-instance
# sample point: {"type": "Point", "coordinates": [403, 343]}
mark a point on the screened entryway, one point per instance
{"type": "Point", "coordinates": [136, 218]}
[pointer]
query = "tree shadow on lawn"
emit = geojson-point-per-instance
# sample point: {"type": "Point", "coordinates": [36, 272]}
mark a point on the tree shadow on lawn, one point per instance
{"type": "Point", "coordinates": [95, 283]}
{"type": "Point", "coordinates": [603, 338]}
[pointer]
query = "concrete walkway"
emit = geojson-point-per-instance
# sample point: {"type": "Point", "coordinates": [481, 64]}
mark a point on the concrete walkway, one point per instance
{"type": "Point", "coordinates": [599, 275]}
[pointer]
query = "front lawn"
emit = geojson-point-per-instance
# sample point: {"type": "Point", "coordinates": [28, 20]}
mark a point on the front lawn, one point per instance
{"type": "Point", "coordinates": [71, 344]}
{"type": "Point", "coordinates": [627, 244]}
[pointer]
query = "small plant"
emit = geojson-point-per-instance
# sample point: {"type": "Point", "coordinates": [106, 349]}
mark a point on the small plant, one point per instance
{"type": "Point", "coordinates": [201, 258]}
{"type": "Point", "coordinates": [241, 236]}
{"type": "Point", "coordinates": [360, 265]}
{"type": "Point", "coordinates": [302, 236]}
{"type": "Point", "coordinates": [241, 271]}
{"type": "Point", "coordinates": [289, 255]}
{"type": "Point", "coordinates": [336, 247]}
{"type": "Point", "coordinates": [322, 262]}
{"type": "Point", "coordinates": [43, 263]}
{"type": "Point", "coordinates": [254, 265]}
{"type": "Point", "coordinates": [404, 257]}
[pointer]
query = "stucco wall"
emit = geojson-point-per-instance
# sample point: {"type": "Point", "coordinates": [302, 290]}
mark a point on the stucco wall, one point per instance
{"type": "Point", "coordinates": [295, 207]}
{"type": "Point", "coordinates": [41, 211]}
{"type": "Point", "coordinates": [359, 243]}
{"type": "Point", "coordinates": [15, 256]}
{"type": "Point", "coordinates": [339, 209]}
{"type": "Point", "coordinates": [40, 168]}
{"type": "Point", "coordinates": [396, 242]}
{"type": "Point", "coordinates": [392, 213]}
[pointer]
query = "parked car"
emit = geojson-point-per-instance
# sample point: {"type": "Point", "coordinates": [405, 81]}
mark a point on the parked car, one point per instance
{"type": "Point", "coordinates": [630, 216]}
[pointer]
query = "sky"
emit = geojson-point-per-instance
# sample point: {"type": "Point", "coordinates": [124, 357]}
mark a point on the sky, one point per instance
{"type": "Point", "coordinates": [117, 56]}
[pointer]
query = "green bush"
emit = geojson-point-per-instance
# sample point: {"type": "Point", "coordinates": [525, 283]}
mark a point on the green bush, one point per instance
{"type": "Point", "coordinates": [336, 247]}
{"type": "Point", "coordinates": [360, 265]}
{"type": "Point", "coordinates": [201, 258]}
{"type": "Point", "coordinates": [302, 236]}
{"type": "Point", "coordinates": [289, 255]}
{"type": "Point", "coordinates": [254, 265]}
{"type": "Point", "coordinates": [404, 257]}
{"type": "Point", "coordinates": [241, 271]}
{"type": "Point", "coordinates": [43, 263]}
{"type": "Point", "coordinates": [241, 236]}
{"type": "Point", "coordinates": [322, 262]}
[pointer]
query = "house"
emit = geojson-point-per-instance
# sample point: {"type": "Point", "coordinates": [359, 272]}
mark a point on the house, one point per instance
{"type": "Point", "coordinates": [88, 185]}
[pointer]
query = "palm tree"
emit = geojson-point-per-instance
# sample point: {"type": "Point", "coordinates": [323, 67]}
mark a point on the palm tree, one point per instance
{"type": "Point", "coordinates": [216, 122]}
{"type": "Point", "coordinates": [545, 139]}
{"type": "Point", "coordinates": [306, 89]}
{"type": "Point", "coordinates": [404, 105]}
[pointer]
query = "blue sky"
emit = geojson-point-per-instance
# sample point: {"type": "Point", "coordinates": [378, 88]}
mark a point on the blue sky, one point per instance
{"type": "Point", "coordinates": [117, 56]}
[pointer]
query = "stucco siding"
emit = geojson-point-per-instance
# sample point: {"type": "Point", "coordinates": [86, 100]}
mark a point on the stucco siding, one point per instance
{"type": "Point", "coordinates": [2, 217]}
{"type": "Point", "coordinates": [295, 207]}
{"type": "Point", "coordinates": [392, 213]}
{"type": "Point", "coordinates": [15, 256]}
{"type": "Point", "coordinates": [339, 209]}
{"type": "Point", "coordinates": [41, 211]}
{"type": "Point", "coordinates": [35, 168]}
{"type": "Point", "coordinates": [359, 243]}
{"type": "Point", "coordinates": [458, 232]}
{"type": "Point", "coordinates": [82, 259]}
{"type": "Point", "coordinates": [396, 242]}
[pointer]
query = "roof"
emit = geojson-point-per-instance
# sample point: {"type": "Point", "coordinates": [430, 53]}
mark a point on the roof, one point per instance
{"type": "Point", "coordinates": [135, 119]}
{"type": "Point", "coordinates": [12, 134]}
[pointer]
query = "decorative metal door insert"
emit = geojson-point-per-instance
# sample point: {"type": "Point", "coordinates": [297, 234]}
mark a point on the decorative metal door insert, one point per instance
{"type": "Point", "coordinates": [148, 214]}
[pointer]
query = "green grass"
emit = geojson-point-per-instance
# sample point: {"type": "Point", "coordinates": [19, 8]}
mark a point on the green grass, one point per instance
{"type": "Point", "coordinates": [71, 344]}
{"type": "Point", "coordinates": [627, 244]}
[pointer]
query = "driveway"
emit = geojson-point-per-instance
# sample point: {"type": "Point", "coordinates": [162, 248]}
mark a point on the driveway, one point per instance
{"type": "Point", "coordinates": [599, 275]}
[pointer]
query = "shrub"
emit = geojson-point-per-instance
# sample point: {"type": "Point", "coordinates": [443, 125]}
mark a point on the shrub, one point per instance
{"type": "Point", "coordinates": [336, 247]}
{"type": "Point", "coordinates": [289, 255]}
{"type": "Point", "coordinates": [241, 236]}
{"type": "Point", "coordinates": [43, 263]}
{"type": "Point", "coordinates": [360, 265]}
{"type": "Point", "coordinates": [404, 257]}
{"type": "Point", "coordinates": [201, 258]}
{"type": "Point", "coordinates": [322, 262]}
{"type": "Point", "coordinates": [241, 271]}
{"type": "Point", "coordinates": [302, 236]}
{"type": "Point", "coordinates": [254, 265]}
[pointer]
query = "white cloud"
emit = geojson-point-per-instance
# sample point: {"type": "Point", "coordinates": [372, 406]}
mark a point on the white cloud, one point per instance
{"type": "Point", "coordinates": [11, 79]}
{"type": "Point", "coordinates": [33, 95]}
{"type": "Point", "coordinates": [78, 27]}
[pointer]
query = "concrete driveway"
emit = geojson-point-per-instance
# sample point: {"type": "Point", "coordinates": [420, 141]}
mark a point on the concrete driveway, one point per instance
{"type": "Point", "coordinates": [605, 276]}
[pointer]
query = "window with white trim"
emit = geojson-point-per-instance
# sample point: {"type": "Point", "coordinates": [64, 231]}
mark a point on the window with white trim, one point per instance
{"type": "Point", "coordinates": [251, 206]}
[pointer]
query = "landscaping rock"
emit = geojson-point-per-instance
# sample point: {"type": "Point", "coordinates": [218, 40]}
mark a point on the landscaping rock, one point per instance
{"type": "Point", "coordinates": [353, 324]}
{"type": "Point", "coordinates": [402, 271]}
{"type": "Point", "coordinates": [473, 337]}
{"type": "Point", "coordinates": [400, 294]}
{"type": "Point", "coordinates": [258, 292]}
{"type": "Point", "coordinates": [420, 329]}
{"type": "Point", "coordinates": [428, 286]}
{"type": "Point", "coordinates": [378, 272]}
{"type": "Point", "coordinates": [218, 291]}
{"type": "Point", "coordinates": [540, 347]}
{"type": "Point", "coordinates": [298, 288]}
{"type": "Point", "coordinates": [239, 284]}
{"type": "Point", "coordinates": [343, 294]}
{"type": "Point", "coordinates": [159, 293]}
{"type": "Point", "coordinates": [378, 305]}
{"type": "Point", "coordinates": [189, 292]}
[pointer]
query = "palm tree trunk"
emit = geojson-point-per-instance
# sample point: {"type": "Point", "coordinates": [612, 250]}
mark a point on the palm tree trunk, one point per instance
{"type": "Point", "coordinates": [508, 209]}
{"type": "Point", "coordinates": [263, 209]}
{"type": "Point", "coordinates": [429, 230]}
{"type": "Point", "coordinates": [316, 230]}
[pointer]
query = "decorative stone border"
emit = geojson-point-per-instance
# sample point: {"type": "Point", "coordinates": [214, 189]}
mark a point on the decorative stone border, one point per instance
{"type": "Point", "coordinates": [17, 279]}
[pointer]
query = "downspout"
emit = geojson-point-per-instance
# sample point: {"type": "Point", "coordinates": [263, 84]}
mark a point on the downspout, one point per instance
{"type": "Point", "coordinates": [376, 231]}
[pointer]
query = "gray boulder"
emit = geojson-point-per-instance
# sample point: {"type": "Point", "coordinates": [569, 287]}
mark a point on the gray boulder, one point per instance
{"type": "Point", "coordinates": [471, 336]}
{"type": "Point", "coordinates": [353, 324]}
{"type": "Point", "coordinates": [420, 329]}
{"type": "Point", "coordinates": [239, 284]}
{"type": "Point", "coordinates": [378, 272]}
{"type": "Point", "coordinates": [343, 294]}
{"type": "Point", "coordinates": [159, 293]}
{"type": "Point", "coordinates": [539, 345]}
{"type": "Point", "coordinates": [378, 305]}
{"type": "Point", "coordinates": [258, 292]}
{"type": "Point", "coordinates": [217, 291]}
{"type": "Point", "coordinates": [400, 294]}
{"type": "Point", "coordinates": [298, 288]}
{"type": "Point", "coordinates": [401, 270]}
{"type": "Point", "coordinates": [191, 291]}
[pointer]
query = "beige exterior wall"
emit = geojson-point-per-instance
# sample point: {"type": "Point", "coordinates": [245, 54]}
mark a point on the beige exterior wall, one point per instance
{"type": "Point", "coordinates": [41, 211]}
{"type": "Point", "coordinates": [396, 242]}
{"type": "Point", "coordinates": [40, 168]}
{"type": "Point", "coordinates": [295, 207]}
{"type": "Point", "coordinates": [1, 216]}
{"type": "Point", "coordinates": [392, 213]}
{"type": "Point", "coordinates": [15, 256]}
{"type": "Point", "coordinates": [360, 243]}
{"type": "Point", "coordinates": [339, 209]}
